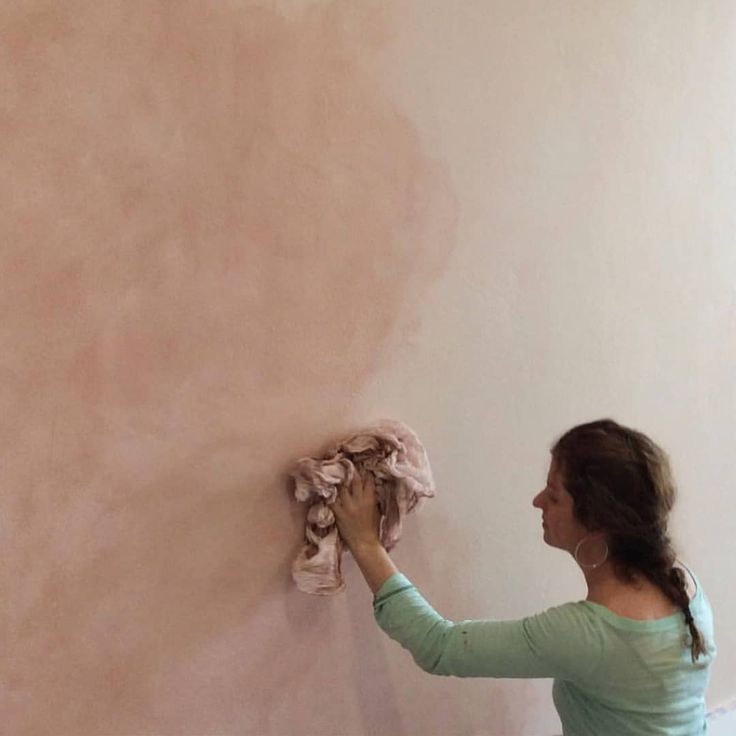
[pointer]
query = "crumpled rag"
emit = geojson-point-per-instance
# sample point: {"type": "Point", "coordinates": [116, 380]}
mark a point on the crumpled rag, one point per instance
{"type": "Point", "coordinates": [389, 450]}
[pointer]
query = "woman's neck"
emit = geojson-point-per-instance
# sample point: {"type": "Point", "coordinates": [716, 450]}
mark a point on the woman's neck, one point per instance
{"type": "Point", "coordinates": [602, 583]}
{"type": "Point", "coordinates": [638, 599]}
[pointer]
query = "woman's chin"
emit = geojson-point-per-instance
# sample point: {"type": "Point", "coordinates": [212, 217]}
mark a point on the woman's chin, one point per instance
{"type": "Point", "coordinates": [548, 538]}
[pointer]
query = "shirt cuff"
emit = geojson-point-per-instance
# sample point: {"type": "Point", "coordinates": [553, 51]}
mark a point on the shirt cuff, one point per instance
{"type": "Point", "coordinates": [395, 584]}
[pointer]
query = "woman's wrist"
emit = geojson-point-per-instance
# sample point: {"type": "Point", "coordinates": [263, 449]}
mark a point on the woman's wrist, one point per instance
{"type": "Point", "coordinates": [374, 562]}
{"type": "Point", "coordinates": [364, 546]}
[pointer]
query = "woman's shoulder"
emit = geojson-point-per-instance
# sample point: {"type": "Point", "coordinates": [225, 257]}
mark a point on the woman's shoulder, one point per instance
{"type": "Point", "coordinates": [569, 635]}
{"type": "Point", "coordinates": [572, 615]}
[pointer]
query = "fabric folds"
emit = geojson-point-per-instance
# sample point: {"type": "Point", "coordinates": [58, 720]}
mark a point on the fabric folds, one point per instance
{"type": "Point", "coordinates": [393, 454]}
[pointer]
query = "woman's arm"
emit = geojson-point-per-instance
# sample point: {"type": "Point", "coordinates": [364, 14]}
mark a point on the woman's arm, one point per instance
{"type": "Point", "coordinates": [562, 642]}
{"type": "Point", "coordinates": [565, 641]}
{"type": "Point", "coordinates": [374, 562]}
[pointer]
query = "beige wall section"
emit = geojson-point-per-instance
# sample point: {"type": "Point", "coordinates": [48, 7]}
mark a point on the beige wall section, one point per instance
{"type": "Point", "coordinates": [234, 230]}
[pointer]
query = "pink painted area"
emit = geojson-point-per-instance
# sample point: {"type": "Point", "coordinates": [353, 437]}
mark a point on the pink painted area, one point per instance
{"type": "Point", "coordinates": [214, 220]}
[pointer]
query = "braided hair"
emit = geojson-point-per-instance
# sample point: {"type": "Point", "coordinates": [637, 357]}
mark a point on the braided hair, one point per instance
{"type": "Point", "coordinates": [621, 483]}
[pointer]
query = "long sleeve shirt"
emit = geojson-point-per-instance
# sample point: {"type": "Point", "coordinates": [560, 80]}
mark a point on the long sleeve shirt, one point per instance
{"type": "Point", "coordinates": [613, 676]}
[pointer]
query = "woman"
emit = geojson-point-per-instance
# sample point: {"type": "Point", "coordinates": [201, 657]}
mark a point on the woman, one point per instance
{"type": "Point", "coordinates": [634, 657]}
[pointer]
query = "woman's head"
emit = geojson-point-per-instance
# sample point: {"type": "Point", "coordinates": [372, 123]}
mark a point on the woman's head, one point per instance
{"type": "Point", "coordinates": [562, 527]}
{"type": "Point", "coordinates": [620, 488]}
{"type": "Point", "coordinates": [621, 485]}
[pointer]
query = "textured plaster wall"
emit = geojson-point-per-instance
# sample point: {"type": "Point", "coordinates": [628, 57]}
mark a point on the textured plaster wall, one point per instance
{"type": "Point", "coordinates": [234, 230]}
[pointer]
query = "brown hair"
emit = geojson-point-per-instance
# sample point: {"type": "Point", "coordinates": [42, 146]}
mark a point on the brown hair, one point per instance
{"type": "Point", "coordinates": [621, 484]}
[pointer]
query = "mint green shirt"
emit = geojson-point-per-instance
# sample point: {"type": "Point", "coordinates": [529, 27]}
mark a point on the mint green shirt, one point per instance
{"type": "Point", "coordinates": [613, 676]}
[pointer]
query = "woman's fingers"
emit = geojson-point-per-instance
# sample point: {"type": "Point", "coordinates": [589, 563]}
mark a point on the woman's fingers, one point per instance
{"type": "Point", "coordinates": [357, 489]}
{"type": "Point", "coordinates": [342, 494]}
{"type": "Point", "coordinates": [362, 485]}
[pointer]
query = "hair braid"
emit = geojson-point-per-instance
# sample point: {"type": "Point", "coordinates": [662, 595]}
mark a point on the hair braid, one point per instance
{"type": "Point", "coordinates": [677, 581]}
{"type": "Point", "coordinates": [655, 559]}
{"type": "Point", "coordinates": [670, 579]}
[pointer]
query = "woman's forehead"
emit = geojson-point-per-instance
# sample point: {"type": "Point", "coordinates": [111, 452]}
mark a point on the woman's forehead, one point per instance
{"type": "Point", "coordinates": [553, 466]}
{"type": "Point", "coordinates": [554, 472]}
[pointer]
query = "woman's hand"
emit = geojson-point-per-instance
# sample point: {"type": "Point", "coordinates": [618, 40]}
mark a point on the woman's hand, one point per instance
{"type": "Point", "coordinates": [357, 513]}
{"type": "Point", "coordinates": [358, 518]}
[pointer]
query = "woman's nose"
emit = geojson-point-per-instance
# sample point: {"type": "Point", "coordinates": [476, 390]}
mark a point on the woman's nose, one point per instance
{"type": "Point", "coordinates": [537, 502]}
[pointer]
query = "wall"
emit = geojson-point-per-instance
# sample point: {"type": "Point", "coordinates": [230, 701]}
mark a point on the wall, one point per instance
{"type": "Point", "coordinates": [234, 231]}
{"type": "Point", "coordinates": [722, 720]}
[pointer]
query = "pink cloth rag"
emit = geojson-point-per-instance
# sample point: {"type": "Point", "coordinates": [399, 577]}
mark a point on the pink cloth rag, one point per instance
{"type": "Point", "coordinates": [394, 455]}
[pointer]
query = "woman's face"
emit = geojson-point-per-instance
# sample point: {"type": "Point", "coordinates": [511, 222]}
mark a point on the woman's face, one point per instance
{"type": "Point", "coordinates": [561, 528]}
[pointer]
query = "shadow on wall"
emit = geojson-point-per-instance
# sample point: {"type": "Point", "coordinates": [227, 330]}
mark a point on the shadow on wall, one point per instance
{"type": "Point", "coordinates": [216, 221]}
